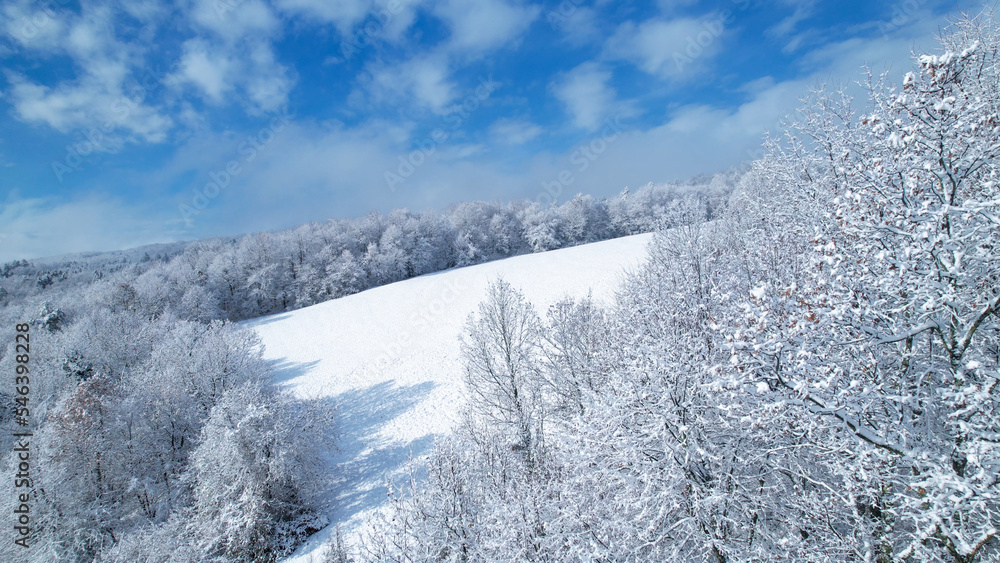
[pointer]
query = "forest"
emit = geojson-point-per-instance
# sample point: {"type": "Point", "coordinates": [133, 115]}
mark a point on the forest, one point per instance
{"type": "Point", "coordinates": [806, 369]}
{"type": "Point", "coordinates": [810, 376]}
{"type": "Point", "coordinates": [154, 417]}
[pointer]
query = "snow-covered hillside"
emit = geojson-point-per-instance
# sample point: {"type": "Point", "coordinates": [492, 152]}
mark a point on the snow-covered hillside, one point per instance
{"type": "Point", "coordinates": [389, 357]}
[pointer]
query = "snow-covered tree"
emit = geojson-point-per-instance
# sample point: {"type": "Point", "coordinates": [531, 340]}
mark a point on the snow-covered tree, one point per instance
{"type": "Point", "coordinates": [573, 339]}
{"type": "Point", "coordinates": [889, 333]}
{"type": "Point", "coordinates": [500, 350]}
{"type": "Point", "coordinates": [255, 473]}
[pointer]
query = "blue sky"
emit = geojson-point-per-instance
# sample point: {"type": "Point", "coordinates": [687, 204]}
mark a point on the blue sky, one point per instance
{"type": "Point", "coordinates": [126, 123]}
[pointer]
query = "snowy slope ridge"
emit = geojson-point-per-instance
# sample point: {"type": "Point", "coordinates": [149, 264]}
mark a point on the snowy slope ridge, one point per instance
{"type": "Point", "coordinates": [389, 358]}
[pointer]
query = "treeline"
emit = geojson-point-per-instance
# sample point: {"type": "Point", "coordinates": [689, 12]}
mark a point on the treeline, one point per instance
{"type": "Point", "coordinates": [157, 434]}
{"type": "Point", "coordinates": [265, 273]}
{"type": "Point", "coordinates": [813, 376]}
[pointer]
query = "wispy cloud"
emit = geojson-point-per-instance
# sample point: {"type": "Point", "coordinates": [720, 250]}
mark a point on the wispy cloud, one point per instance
{"type": "Point", "coordinates": [162, 95]}
{"type": "Point", "coordinates": [514, 131]}
{"type": "Point", "coordinates": [669, 48]}
{"type": "Point", "coordinates": [587, 94]}
{"type": "Point", "coordinates": [484, 25]}
{"type": "Point", "coordinates": [33, 227]}
{"type": "Point", "coordinates": [801, 10]}
{"type": "Point", "coordinates": [102, 95]}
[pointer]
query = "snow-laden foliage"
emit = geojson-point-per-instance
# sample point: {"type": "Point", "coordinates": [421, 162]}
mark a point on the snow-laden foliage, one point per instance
{"type": "Point", "coordinates": [812, 376]}
{"type": "Point", "coordinates": [158, 434]}
{"type": "Point", "coordinates": [161, 439]}
{"type": "Point", "coordinates": [891, 333]}
{"type": "Point", "coordinates": [254, 464]}
{"type": "Point", "coordinates": [500, 353]}
{"type": "Point", "coordinates": [265, 273]}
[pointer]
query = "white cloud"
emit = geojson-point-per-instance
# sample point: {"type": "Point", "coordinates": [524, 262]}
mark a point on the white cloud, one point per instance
{"type": "Point", "coordinates": [484, 25]}
{"type": "Point", "coordinates": [423, 80]}
{"type": "Point", "coordinates": [320, 170]}
{"type": "Point", "coordinates": [97, 98]}
{"type": "Point", "coordinates": [389, 18]}
{"type": "Point", "coordinates": [795, 42]}
{"type": "Point", "coordinates": [802, 10]}
{"type": "Point", "coordinates": [61, 110]}
{"type": "Point", "coordinates": [231, 53]}
{"type": "Point", "coordinates": [316, 171]}
{"type": "Point", "coordinates": [33, 26]}
{"type": "Point", "coordinates": [234, 20]}
{"type": "Point", "coordinates": [585, 92]}
{"type": "Point", "coordinates": [514, 131]}
{"type": "Point", "coordinates": [669, 6]}
{"type": "Point", "coordinates": [673, 49]}
{"type": "Point", "coordinates": [148, 12]}
{"type": "Point", "coordinates": [429, 81]}
{"type": "Point", "coordinates": [579, 25]}
{"type": "Point", "coordinates": [209, 70]}
{"type": "Point", "coordinates": [694, 139]}
{"type": "Point", "coordinates": [216, 70]}
{"type": "Point", "coordinates": [87, 37]}
{"type": "Point", "coordinates": [38, 227]}
{"type": "Point", "coordinates": [269, 82]}
{"type": "Point", "coordinates": [239, 57]}
{"type": "Point", "coordinates": [702, 139]}
{"type": "Point", "coordinates": [86, 107]}
{"type": "Point", "coordinates": [343, 14]}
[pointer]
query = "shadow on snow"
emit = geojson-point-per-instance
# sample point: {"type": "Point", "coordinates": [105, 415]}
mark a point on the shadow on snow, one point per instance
{"type": "Point", "coordinates": [364, 461]}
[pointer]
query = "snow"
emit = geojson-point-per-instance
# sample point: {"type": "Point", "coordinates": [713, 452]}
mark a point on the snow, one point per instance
{"type": "Point", "coordinates": [389, 359]}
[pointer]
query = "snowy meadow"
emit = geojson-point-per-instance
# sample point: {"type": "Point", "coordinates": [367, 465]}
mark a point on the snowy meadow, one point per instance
{"type": "Point", "coordinates": [793, 360]}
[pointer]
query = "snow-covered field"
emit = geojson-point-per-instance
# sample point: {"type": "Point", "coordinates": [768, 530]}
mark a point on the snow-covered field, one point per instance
{"type": "Point", "coordinates": [389, 358]}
